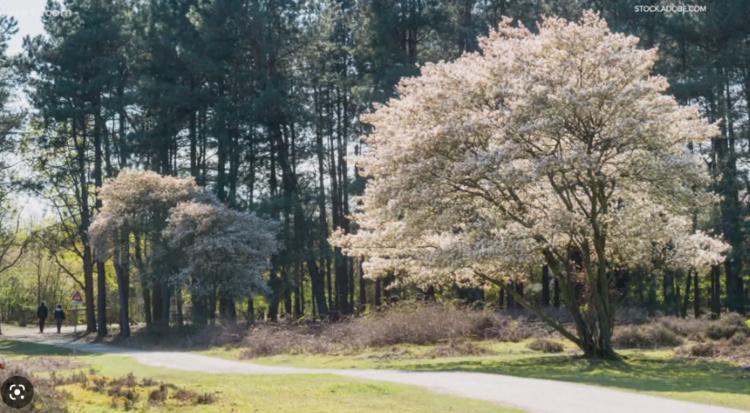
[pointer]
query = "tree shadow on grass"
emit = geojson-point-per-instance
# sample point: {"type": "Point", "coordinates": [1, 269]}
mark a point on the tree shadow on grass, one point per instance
{"type": "Point", "coordinates": [637, 372]}
{"type": "Point", "coordinates": [17, 348]}
{"type": "Point", "coordinates": [24, 348]}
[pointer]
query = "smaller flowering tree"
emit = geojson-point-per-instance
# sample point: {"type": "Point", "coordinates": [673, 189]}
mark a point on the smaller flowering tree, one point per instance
{"type": "Point", "coordinates": [224, 252]}
{"type": "Point", "coordinates": [135, 208]}
{"type": "Point", "coordinates": [555, 148]}
{"type": "Point", "coordinates": [191, 238]}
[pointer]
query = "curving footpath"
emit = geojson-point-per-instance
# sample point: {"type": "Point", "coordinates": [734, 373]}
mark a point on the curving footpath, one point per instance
{"type": "Point", "coordinates": [531, 395]}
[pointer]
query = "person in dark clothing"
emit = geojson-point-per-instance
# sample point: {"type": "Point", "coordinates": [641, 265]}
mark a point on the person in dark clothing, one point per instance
{"type": "Point", "coordinates": [41, 313]}
{"type": "Point", "coordinates": [59, 317]}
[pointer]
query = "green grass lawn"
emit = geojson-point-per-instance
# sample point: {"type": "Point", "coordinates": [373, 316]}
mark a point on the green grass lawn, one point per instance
{"type": "Point", "coordinates": [248, 393]}
{"type": "Point", "coordinates": [654, 372]}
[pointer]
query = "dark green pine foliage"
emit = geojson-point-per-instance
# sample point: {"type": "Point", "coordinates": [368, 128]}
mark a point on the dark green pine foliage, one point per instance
{"type": "Point", "coordinates": [259, 101]}
{"type": "Point", "coordinates": [72, 68]}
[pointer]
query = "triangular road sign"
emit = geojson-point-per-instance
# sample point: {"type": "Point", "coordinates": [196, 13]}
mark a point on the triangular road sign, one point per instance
{"type": "Point", "coordinates": [77, 299]}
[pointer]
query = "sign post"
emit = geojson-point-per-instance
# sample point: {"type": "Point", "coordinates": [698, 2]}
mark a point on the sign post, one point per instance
{"type": "Point", "coordinates": [77, 300]}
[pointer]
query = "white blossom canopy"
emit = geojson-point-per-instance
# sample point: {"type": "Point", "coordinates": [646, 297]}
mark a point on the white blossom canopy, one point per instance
{"type": "Point", "coordinates": [534, 144]}
{"type": "Point", "coordinates": [222, 248]}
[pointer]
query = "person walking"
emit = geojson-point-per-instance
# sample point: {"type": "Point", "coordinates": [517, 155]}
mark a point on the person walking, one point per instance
{"type": "Point", "coordinates": [59, 317]}
{"type": "Point", "coordinates": [41, 313]}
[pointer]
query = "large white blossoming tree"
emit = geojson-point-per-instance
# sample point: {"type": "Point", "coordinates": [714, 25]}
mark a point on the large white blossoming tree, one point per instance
{"type": "Point", "coordinates": [555, 148]}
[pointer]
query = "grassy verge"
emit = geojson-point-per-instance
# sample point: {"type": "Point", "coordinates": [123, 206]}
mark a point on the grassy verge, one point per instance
{"type": "Point", "coordinates": [246, 393]}
{"type": "Point", "coordinates": [648, 371]}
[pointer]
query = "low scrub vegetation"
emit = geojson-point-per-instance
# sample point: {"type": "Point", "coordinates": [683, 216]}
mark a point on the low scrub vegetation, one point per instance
{"type": "Point", "coordinates": [645, 336]}
{"type": "Point", "coordinates": [53, 392]}
{"type": "Point", "coordinates": [726, 337]}
{"type": "Point", "coordinates": [454, 331]}
{"type": "Point", "coordinates": [129, 393]}
{"type": "Point", "coordinates": [184, 337]}
{"type": "Point", "coordinates": [728, 327]}
{"type": "Point", "coordinates": [419, 324]}
{"type": "Point", "coordinates": [47, 398]}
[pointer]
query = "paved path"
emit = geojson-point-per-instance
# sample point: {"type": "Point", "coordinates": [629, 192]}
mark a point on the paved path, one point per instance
{"type": "Point", "coordinates": [532, 395]}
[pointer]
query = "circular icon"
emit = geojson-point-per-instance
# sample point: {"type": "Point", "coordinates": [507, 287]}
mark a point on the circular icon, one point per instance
{"type": "Point", "coordinates": [17, 392]}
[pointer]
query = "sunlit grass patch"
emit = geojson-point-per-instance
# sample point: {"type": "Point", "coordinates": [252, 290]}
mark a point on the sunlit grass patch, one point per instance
{"type": "Point", "coordinates": [242, 393]}
{"type": "Point", "coordinates": [655, 372]}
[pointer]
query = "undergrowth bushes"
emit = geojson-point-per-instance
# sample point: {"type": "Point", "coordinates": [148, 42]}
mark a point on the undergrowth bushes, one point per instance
{"type": "Point", "coordinates": [47, 399]}
{"type": "Point", "coordinates": [129, 393]}
{"type": "Point", "coordinates": [452, 328]}
{"type": "Point", "coordinates": [727, 327]}
{"type": "Point", "coordinates": [419, 324]}
{"type": "Point", "coordinates": [726, 337]}
{"type": "Point", "coordinates": [645, 336]}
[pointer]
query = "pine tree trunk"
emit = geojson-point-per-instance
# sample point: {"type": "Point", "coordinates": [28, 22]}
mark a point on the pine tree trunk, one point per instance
{"type": "Point", "coordinates": [669, 293]}
{"type": "Point", "coordinates": [101, 302]}
{"type": "Point", "coordinates": [362, 285]}
{"type": "Point", "coordinates": [697, 297]}
{"type": "Point", "coordinates": [686, 298]}
{"type": "Point", "coordinates": [101, 269]}
{"type": "Point", "coordinates": [545, 286]}
{"type": "Point", "coordinates": [179, 307]}
{"type": "Point", "coordinates": [556, 302]}
{"type": "Point", "coordinates": [378, 292]}
{"type": "Point", "coordinates": [122, 271]}
{"type": "Point", "coordinates": [715, 291]}
{"type": "Point", "coordinates": [88, 280]}
{"type": "Point", "coordinates": [510, 300]}
{"type": "Point", "coordinates": [156, 304]}
{"type": "Point", "coordinates": [250, 310]}
{"type": "Point", "coordinates": [651, 305]}
{"type": "Point", "coordinates": [85, 212]}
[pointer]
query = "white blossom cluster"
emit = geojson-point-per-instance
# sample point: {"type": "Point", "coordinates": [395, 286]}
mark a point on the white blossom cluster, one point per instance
{"type": "Point", "coordinates": [538, 143]}
{"type": "Point", "coordinates": [223, 248]}
{"type": "Point", "coordinates": [209, 246]}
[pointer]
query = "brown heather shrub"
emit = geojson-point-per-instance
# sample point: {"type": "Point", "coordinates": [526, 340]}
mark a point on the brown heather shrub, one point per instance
{"type": "Point", "coordinates": [415, 324]}
{"type": "Point", "coordinates": [405, 323]}
{"type": "Point", "coordinates": [128, 381]}
{"type": "Point", "coordinates": [205, 398]}
{"type": "Point", "coordinates": [707, 349]}
{"type": "Point", "coordinates": [126, 392]}
{"type": "Point", "coordinates": [268, 340]}
{"type": "Point", "coordinates": [99, 385]}
{"type": "Point", "coordinates": [727, 326]}
{"type": "Point", "coordinates": [690, 328]}
{"type": "Point", "coordinates": [546, 346]}
{"type": "Point", "coordinates": [738, 339]}
{"type": "Point", "coordinates": [645, 336]}
{"type": "Point", "coordinates": [187, 396]}
{"type": "Point", "coordinates": [78, 377]}
{"type": "Point", "coordinates": [158, 396]}
{"type": "Point", "coordinates": [432, 323]}
{"type": "Point", "coordinates": [47, 399]}
{"type": "Point", "coordinates": [724, 349]}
